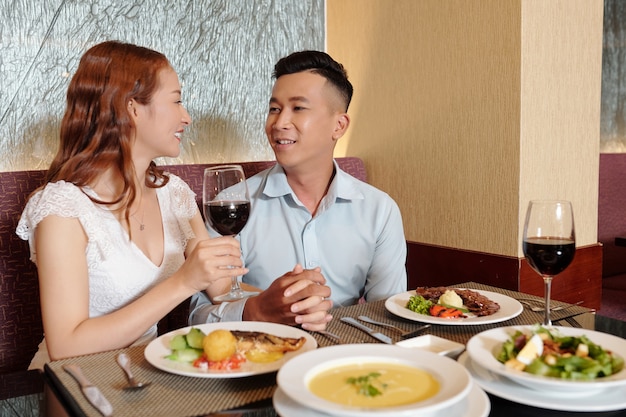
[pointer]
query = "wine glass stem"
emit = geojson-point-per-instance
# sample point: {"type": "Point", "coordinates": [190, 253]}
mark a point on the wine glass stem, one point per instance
{"type": "Point", "coordinates": [546, 295]}
{"type": "Point", "coordinates": [235, 289]}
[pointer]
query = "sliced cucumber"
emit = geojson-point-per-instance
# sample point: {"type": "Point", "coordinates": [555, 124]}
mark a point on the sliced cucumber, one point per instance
{"type": "Point", "coordinates": [195, 337]}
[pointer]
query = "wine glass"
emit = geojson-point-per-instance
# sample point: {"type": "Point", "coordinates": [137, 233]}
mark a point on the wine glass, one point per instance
{"type": "Point", "coordinates": [226, 206]}
{"type": "Point", "coordinates": [549, 241]}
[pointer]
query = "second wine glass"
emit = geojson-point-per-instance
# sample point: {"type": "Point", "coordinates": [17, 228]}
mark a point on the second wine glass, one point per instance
{"type": "Point", "coordinates": [226, 204]}
{"type": "Point", "coordinates": [549, 242]}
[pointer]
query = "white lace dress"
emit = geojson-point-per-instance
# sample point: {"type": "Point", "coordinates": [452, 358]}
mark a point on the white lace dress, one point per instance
{"type": "Point", "coordinates": [119, 272]}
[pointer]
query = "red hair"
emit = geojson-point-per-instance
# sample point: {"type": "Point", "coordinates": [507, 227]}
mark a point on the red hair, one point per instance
{"type": "Point", "coordinates": [96, 128]}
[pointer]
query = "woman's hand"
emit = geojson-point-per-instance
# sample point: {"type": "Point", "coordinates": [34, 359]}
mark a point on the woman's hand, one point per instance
{"type": "Point", "coordinates": [210, 265]}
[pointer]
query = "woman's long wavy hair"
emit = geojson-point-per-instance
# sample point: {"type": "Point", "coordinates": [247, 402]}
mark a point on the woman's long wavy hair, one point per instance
{"type": "Point", "coordinates": [96, 128]}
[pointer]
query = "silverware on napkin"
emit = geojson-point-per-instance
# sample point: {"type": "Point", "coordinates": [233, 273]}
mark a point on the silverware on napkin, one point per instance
{"type": "Point", "coordinates": [92, 393]}
{"type": "Point", "coordinates": [371, 332]}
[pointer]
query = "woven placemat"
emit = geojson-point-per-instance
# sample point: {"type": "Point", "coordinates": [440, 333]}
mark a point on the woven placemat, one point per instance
{"type": "Point", "coordinates": [173, 395]}
{"type": "Point", "coordinates": [377, 311]}
{"type": "Point", "coordinates": [169, 395]}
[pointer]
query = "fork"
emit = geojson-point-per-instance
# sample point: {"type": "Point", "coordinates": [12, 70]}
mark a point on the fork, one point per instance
{"type": "Point", "coordinates": [537, 309]}
{"type": "Point", "coordinates": [573, 322]}
{"type": "Point", "coordinates": [379, 323]}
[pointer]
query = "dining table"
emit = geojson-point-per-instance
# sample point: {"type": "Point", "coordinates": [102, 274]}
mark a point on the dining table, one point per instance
{"type": "Point", "coordinates": [172, 395]}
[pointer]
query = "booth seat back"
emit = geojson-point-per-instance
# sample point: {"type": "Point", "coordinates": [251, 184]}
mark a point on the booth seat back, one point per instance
{"type": "Point", "coordinates": [20, 316]}
{"type": "Point", "coordinates": [21, 329]}
{"type": "Point", "coordinates": [612, 212]}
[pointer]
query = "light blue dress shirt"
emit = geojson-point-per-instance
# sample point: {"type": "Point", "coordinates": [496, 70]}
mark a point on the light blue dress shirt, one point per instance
{"type": "Point", "coordinates": [356, 238]}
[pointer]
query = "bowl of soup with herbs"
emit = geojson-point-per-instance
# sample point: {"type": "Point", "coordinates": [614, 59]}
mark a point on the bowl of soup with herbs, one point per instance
{"type": "Point", "coordinates": [373, 380]}
{"type": "Point", "coordinates": [375, 384]}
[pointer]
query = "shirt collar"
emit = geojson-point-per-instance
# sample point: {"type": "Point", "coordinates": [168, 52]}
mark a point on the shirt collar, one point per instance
{"type": "Point", "coordinates": [341, 188]}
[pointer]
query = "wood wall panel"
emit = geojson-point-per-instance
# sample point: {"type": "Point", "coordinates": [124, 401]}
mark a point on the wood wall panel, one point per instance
{"type": "Point", "coordinates": [429, 265]}
{"type": "Point", "coordinates": [581, 281]}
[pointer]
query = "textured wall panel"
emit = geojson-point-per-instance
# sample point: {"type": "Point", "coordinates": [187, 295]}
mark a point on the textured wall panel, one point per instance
{"type": "Point", "coordinates": [223, 51]}
{"type": "Point", "coordinates": [613, 115]}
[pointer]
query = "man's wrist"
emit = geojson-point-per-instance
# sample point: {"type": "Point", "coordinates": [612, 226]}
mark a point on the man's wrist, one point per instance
{"type": "Point", "coordinates": [249, 312]}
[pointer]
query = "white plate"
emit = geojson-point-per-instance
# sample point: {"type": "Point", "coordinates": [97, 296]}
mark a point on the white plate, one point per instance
{"type": "Point", "coordinates": [509, 308]}
{"type": "Point", "coordinates": [159, 348]}
{"type": "Point", "coordinates": [294, 376]}
{"type": "Point", "coordinates": [434, 344]}
{"type": "Point", "coordinates": [475, 404]}
{"type": "Point", "coordinates": [483, 347]}
{"type": "Point", "coordinates": [609, 400]}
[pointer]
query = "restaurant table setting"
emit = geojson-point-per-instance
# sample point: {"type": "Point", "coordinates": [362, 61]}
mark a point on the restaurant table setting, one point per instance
{"type": "Point", "coordinates": [431, 344]}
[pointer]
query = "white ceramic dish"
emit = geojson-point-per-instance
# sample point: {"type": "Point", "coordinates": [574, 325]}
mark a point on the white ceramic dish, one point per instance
{"type": "Point", "coordinates": [509, 308]}
{"type": "Point", "coordinates": [475, 404]}
{"type": "Point", "coordinates": [435, 344]}
{"type": "Point", "coordinates": [294, 376]}
{"type": "Point", "coordinates": [159, 348]}
{"type": "Point", "coordinates": [483, 347]}
{"type": "Point", "coordinates": [608, 400]}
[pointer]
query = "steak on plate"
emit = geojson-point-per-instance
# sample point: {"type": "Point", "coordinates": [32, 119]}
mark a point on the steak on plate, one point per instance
{"type": "Point", "coordinates": [475, 302]}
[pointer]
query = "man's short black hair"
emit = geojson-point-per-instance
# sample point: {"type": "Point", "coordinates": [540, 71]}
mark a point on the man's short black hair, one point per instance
{"type": "Point", "coordinates": [318, 63]}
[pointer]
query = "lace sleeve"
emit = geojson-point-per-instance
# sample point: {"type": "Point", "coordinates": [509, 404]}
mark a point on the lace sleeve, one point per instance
{"type": "Point", "coordinates": [183, 197]}
{"type": "Point", "coordinates": [183, 205]}
{"type": "Point", "coordinates": [63, 199]}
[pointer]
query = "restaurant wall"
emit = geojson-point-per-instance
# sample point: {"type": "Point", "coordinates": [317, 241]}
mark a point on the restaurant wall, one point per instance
{"type": "Point", "coordinates": [465, 110]}
{"type": "Point", "coordinates": [223, 51]}
{"type": "Point", "coordinates": [613, 112]}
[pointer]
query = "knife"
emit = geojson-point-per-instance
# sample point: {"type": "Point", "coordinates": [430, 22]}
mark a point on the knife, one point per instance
{"type": "Point", "coordinates": [92, 393]}
{"type": "Point", "coordinates": [371, 332]}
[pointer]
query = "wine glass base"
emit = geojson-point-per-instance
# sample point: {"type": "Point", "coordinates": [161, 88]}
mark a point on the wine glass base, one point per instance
{"type": "Point", "coordinates": [234, 296]}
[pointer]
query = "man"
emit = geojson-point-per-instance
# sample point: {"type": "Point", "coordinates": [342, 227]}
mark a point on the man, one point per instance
{"type": "Point", "coordinates": [307, 212]}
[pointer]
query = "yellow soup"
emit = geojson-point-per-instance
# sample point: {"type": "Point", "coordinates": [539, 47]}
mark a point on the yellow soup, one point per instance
{"type": "Point", "coordinates": [374, 385]}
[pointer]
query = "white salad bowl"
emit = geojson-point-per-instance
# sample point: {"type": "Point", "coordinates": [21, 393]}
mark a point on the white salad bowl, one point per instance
{"type": "Point", "coordinates": [485, 346]}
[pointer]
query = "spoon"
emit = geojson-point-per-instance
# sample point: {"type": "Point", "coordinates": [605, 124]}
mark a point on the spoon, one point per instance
{"type": "Point", "coordinates": [124, 362]}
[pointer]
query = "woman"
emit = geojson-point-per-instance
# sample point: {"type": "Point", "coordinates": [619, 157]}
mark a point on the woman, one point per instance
{"type": "Point", "coordinates": [118, 243]}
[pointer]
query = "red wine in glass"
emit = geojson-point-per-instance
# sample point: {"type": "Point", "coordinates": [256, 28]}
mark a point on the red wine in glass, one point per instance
{"type": "Point", "coordinates": [227, 217]}
{"type": "Point", "coordinates": [549, 255]}
{"type": "Point", "coordinates": [549, 242]}
{"type": "Point", "coordinates": [226, 206]}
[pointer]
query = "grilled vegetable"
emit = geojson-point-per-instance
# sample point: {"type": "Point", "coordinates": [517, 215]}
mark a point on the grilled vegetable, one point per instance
{"type": "Point", "coordinates": [439, 310]}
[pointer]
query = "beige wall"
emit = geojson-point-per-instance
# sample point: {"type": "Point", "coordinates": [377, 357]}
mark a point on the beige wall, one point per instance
{"type": "Point", "coordinates": [560, 111]}
{"type": "Point", "coordinates": [453, 100]}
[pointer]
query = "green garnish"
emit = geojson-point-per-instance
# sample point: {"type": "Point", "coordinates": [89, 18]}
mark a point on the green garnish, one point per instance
{"type": "Point", "coordinates": [419, 304]}
{"type": "Point", "coordinates": [366, 384]}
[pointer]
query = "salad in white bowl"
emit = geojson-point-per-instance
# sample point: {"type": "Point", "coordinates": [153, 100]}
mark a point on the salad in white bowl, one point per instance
{"type": "Point", "coordinates": [563, 359]}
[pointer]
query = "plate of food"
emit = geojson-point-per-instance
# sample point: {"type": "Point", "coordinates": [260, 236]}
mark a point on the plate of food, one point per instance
{"type": "Point", "coordinates": [368, 380]}
{"type": "Point", "coordinates": [567, 360]}
{"type": "Point", "coordinates": [228, 350]}
{"type": "Point", "coordinates": [453, 306]}
{"type": "Point", "coordinates": [607, 400]}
